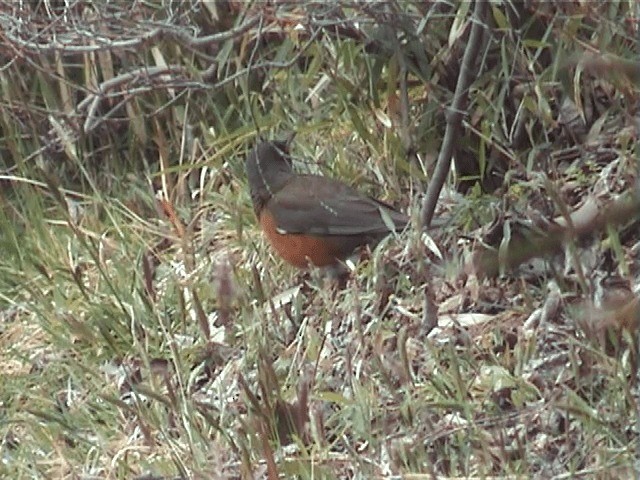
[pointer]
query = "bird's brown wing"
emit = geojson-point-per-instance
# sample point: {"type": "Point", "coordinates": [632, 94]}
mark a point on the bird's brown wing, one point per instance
{"type": "Point", "coordinates": [322, 206]}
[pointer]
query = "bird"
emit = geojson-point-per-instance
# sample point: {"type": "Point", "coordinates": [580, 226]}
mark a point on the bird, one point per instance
{"type": "Point", "coordinates": [313, 220]}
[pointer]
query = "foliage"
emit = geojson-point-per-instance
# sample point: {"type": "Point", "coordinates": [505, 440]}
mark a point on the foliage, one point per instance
{"type": "Point", "coordinates": [145, 326]}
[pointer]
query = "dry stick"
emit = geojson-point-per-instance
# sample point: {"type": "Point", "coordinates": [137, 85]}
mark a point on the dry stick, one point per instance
{"type": "Point", "coordinates": [143, 73]}
{"type": "Point", "coordinates": [591, 217]}
{"type": "Point", "coordinates": [10, 25]}
{"type": "Point", "coordinates": [454, 118]}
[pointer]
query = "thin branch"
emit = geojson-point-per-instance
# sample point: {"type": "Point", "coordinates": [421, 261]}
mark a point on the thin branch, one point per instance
{"type": "Point", "coordinates": [67, 43]}
{"type": "Point", "coordinates": [92, 101]}
{"type": "Point", "coordinates": [219, 37]}
{"type": "Point", "coordinates": [591, 217]}
{"type": "Point", "coordinates": [145, 72]}
{"type": "Point", "coordinates": [454, 119]}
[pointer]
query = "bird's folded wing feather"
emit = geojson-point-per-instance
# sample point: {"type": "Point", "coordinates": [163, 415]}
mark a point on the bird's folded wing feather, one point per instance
{"type": "Point", "coordinates": [324, 206]}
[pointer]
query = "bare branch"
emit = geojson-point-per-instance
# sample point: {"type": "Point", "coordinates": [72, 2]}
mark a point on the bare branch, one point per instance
{"type": "Point", "coordinates": [454, 119]}
{"type": "Point", "coordinates": [68, 42]}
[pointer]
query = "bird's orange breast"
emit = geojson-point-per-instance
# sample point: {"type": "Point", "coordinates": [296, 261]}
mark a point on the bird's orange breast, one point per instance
{"type": "Point", "coordinates": [300, 249]}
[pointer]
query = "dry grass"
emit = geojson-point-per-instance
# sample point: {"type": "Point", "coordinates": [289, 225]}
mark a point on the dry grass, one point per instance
{"type": "Point", "coordinates": [148, 338]}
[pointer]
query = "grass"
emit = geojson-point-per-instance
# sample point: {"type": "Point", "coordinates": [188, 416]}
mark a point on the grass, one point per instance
{"type": "Point", "coordinates": [101, 379]}
{"type": "Point", "coordinates": [147, 335]}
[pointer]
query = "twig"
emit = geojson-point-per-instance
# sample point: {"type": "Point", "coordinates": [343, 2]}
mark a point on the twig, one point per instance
{"type": "Point", "coordinates": [93, 100]}
{"type": "Point", "coordinates": [454, 119]}
{"type": "Point", "coordinates": [102, 43]}
{"type": "Point", "coordinates": [590, 217]}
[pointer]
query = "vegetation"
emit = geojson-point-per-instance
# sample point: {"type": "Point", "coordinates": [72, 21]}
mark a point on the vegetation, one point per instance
{"type": "Point", "coordinates": [147, 330]}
